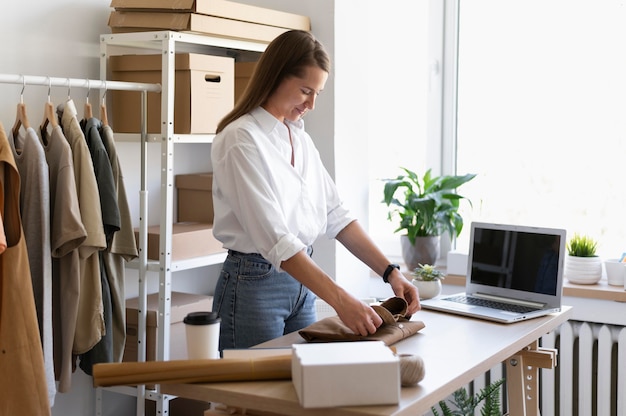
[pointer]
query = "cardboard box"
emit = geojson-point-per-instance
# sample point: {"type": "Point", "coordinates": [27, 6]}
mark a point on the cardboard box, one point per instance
{"type": "Point", "coordinates": [345, 374]}
{"type": "Point", "coordinates": [195, 200]}
{"type": "Point", "coordinates": [203, 92]}
{"type": "Point", "coordinates": [189, 239]}
{"type": "Point", "coordinates": [220, 8]}
{"type": "Point", "coordinates": [243, 73]}
{"type": "Point", "coordinates": [125, 21]}
{"type": "Point", "coordinates": [181, 305]}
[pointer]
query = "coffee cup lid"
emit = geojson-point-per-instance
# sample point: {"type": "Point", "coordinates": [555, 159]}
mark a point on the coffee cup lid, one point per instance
{"type": "Point", "coordinates": [201, 318]}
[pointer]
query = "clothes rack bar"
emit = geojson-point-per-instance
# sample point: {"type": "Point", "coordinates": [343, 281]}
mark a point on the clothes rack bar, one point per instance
{"type": "Point", "coordinates": [77, 83]}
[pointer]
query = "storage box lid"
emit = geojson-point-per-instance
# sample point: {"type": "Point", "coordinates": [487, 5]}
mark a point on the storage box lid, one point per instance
{"type": "Point", "coordinates": [200, 181]}
{"type": "Point", "coordinates": [181, 305]}
{"type": "Point", "coordinates": [183, 61]}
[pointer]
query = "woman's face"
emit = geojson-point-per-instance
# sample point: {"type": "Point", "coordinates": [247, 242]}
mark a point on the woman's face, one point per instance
{"type": "Point", "coordinates": [295, 96]}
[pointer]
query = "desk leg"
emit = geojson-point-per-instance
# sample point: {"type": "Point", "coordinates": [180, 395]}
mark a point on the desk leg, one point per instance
{"type": "Point", "coordinates": [522, 376]}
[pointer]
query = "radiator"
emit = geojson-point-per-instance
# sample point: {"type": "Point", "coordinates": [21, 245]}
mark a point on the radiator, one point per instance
{"type": "Point", "coordinates": [590, 378]}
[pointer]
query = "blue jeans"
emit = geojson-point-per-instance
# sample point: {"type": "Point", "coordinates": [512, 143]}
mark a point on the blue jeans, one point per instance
{"type": "Point", "coordinates": [257, 303]}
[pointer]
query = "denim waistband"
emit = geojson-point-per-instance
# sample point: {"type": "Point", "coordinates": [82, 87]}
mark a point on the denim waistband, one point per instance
{"type": "Point", "coordinates": [309, 251]}
{"type": "Point", "coordinates": [239, 253]}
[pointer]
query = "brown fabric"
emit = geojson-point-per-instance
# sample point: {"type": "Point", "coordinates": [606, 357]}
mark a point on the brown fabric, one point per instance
{"type": "Point", "coordinates": [22, 374]}
{"type": "Point", "coordinates": [396, 326]}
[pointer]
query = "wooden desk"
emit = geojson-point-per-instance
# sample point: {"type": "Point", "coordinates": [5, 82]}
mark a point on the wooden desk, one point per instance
{"type": "Point", "coordinates": [455, 351]}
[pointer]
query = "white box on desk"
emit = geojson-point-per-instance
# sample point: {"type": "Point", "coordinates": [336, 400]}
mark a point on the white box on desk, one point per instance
{"type": "Point", "coordinates": [345, 374]}
{"type": "Point", "coordinates": [457, 263]}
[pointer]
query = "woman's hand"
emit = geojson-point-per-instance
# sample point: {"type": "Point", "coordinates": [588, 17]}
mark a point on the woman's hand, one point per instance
{"type": "Point", "coordinates": [357, 315]}
{"type": "Point", "coordinates": [403, 288]}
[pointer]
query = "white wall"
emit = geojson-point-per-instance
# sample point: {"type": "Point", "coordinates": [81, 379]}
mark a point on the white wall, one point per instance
{"type": "Point", "coordinates": [342, 140]}
{"type": "Point", "coordinates": [60, 39]}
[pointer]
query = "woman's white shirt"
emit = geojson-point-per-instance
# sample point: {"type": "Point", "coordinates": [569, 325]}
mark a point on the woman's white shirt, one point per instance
{"type": "Point", "coordinates": [263, 204]}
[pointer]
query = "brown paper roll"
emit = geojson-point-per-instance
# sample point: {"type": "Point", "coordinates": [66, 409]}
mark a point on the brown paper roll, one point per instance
{"type": "Point", "coordinates": [192, 371]}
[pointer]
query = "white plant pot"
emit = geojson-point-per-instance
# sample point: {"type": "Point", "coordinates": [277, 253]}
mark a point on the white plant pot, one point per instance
{"type": "Point", "coordinates": [583, 270]}
{"type": "Point", "coordinates": [427, 289]}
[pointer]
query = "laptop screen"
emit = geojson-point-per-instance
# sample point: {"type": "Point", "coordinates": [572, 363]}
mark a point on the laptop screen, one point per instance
{"type": "Point", "coordinates": [522, 260]}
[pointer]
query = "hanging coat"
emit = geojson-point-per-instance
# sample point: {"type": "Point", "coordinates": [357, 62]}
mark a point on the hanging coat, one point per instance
{"type": "Point", "coordinates": [122, 249]}
{"type": "Point", "coordinates": [22, 374]}
{"type": "Point", "coordinates": [35, 212]}
{"type": "Point", "coordinates": [67, 233]}
{"type": "Point", "coordinates": [90, 323]}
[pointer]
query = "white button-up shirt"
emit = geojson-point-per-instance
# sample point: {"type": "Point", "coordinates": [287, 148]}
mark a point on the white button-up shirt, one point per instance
{"type": "Point", "coordinates": [263, 204]}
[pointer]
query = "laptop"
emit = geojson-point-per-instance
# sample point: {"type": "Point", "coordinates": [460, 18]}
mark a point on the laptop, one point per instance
{"type": "Point", "coordinates": [514, 273]}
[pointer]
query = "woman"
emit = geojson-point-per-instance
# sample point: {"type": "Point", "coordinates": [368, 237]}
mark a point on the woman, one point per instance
{"type": "Point", "coordinates": [273, 198]}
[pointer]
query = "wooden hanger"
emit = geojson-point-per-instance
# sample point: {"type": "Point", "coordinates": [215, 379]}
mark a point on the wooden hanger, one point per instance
{"type": "Point", "coordinates": [20, 119]}
{"type": "Point", "coordinates": [49, 113]}
{"type": "Point", "coordinates": [88, 113]}
{"type": "Point", "coordinates": [103, 108]}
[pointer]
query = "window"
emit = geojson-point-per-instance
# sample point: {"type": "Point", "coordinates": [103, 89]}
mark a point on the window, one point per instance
{"type": "Point", "coordinates": [541, 115]}
{"type": "Point", "coordinates": [398, 109]}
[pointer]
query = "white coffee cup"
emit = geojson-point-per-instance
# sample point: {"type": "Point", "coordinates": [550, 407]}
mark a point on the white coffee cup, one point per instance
{"type": "Point", "coordinates": [203, 333]}
{"type": "Point", "coordinates": [615, 272]}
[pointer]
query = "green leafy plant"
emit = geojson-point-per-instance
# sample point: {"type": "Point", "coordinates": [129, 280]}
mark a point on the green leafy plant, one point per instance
{"type": "Point", "coordinates": [428, 206]}
{"type": "Point", "coordinates": [428, 273]}
{"type": "Point", "coordinates": [465, 404]}
{"type": "Point", "coordinates": [582, 246]}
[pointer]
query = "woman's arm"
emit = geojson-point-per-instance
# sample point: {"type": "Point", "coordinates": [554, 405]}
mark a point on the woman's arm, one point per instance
{"type": "Point", "coordinates": [358, 242]}
{"type": "Point", "coordinates": [358, 316]}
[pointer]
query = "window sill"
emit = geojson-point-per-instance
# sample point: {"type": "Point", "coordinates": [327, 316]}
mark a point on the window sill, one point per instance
{"type": "Point", "coordinates": [601, 290]}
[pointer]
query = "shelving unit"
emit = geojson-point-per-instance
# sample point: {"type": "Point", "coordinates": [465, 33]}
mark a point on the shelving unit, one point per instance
{"type": "Point", "coordinates": [168, 43]}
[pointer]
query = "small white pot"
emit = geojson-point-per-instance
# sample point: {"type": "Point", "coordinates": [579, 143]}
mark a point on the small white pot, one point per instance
{"type": "Point", "coordinates": [427, 289]}
{"type": "Point", "coordinates": [583, 270]}
{"type": "Point", "coordinates": [615, 272]}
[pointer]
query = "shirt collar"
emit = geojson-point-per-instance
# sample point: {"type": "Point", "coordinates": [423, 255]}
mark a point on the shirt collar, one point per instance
{"type": "Point", "coordinates": [268, 122]}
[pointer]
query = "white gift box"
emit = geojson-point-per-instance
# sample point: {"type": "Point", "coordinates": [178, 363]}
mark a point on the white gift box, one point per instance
{"type": "Point", "coordinates": [345, 374]}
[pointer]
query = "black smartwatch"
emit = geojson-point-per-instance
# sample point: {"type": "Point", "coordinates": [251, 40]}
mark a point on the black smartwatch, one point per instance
{"type": "Point", "coordinates": [388, 271]}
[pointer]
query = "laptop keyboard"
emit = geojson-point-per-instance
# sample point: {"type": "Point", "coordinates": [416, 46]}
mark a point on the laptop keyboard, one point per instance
{"type": "Point", "coordinates": [468, 300]}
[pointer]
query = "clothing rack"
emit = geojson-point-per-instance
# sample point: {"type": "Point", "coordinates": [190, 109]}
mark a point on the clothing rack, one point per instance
{"type": "Point", "coordinates": [78, 83]}
{"type": "Point", "coordinates": [105, 85]}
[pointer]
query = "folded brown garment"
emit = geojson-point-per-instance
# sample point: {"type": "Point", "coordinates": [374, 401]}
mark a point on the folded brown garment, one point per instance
{"type": "Point", "coordinates": [396, 326]}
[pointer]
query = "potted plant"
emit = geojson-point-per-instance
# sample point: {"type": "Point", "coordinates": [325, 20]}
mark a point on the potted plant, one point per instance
{"type": "Point", "coordinates": [582, 265]}
{"type": "Point", "coordinates": [427, 208]}
{"type": "Point", "coordinates": [427, 279]}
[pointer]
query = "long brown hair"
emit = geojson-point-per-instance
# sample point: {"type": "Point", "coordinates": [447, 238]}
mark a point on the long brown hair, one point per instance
{"type": "Point", "coordinates": [287, 55]}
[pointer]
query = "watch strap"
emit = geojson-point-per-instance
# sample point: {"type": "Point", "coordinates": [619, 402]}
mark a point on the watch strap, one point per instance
{"type": "Point", "coordinates": [388, 271]}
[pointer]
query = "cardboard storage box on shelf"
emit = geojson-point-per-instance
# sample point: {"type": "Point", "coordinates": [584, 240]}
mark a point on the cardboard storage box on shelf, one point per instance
{"type": "Point", "coordinates": [220, 8]}
{"type": "Point", "coordinates": [189, 239]}
{"type": "Point", "coordinates": [195, 200]}
{"type": "Point", "coordinates": [131, 21]}
{"type": "Point", "coordinates": [203, 92]}
{"type": "Point", "coordinates": [345, 374]}
{"type": "Point", "coordinates": [181, 305]}
{"type": "Point", "coordinates": [243, 72]}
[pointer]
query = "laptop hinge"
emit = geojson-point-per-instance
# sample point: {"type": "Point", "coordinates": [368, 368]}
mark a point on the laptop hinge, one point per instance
{"type": "Point", "coordinates": [509, 300]}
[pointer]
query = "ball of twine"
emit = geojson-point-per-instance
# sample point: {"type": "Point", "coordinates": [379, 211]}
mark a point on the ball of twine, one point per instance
{"type": "Point", "coordinates": [412, 369]}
